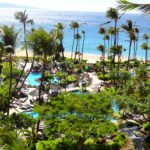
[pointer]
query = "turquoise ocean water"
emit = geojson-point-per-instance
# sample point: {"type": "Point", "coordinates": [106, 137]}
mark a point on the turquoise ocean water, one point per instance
{"type": "Point", "coordinates": [89, 21]}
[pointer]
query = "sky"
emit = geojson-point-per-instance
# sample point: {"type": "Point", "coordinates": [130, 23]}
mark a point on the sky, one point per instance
{"type": "Point", "coordinates": [71, 5]}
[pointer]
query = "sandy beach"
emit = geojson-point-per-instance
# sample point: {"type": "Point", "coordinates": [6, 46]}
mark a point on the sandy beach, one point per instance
{"type": "Point", "coordinates": [89, 57]}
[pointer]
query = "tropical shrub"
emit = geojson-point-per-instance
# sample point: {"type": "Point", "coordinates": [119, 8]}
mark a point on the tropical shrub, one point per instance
{"type": "Point", "coordinates": [106, 77]}
{"type": "Point", "coordinates": [146, 126]}
{"type": "Point", "coordinates": [120, 139]}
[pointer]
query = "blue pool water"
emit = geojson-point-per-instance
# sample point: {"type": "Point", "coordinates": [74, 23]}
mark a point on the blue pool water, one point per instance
{"type": "Point", "coordinates": [31, 113]}
{"type": "Point", "coordinates": [54, 80]}
{"type": "Point", "coordinates": [33, 76]}
{"type": "Point", "coordinates": [80, 92]}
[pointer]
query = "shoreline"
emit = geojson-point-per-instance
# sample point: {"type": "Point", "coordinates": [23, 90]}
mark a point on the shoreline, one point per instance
{"type": "Point", "coordinates": [89, 57]}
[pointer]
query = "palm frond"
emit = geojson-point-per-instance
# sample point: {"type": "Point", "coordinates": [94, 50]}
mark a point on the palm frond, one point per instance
{"type": "Point", "coordinates": [125, 5]}
{"type": "Point", "coordinates": [105, 23]}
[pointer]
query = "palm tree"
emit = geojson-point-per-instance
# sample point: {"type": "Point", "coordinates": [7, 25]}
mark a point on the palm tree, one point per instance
{"type": "Point", "coordinates": [125, 5]}
{"type": "Point", "coordinates": [101, 48]}
{"type": "Point", "coordinates": [77, 37]}
{"type": "Point", "coordinates": [146, 37]}
{"type": "Point", "coordinates": [117, 50]}
{"type": "Point", "coordinates": [83, 32]}
{"type": "Point", "coordinates": [107, 37]}
{"type": "Point", "coordinates": [60, 27]}
{"type": "Point", "coordinates": [136, 30]}
{"type": "Point", "coordinates": [129, 28]}
{"type": "Point", "coordinates": [33, 47]}
{"type": "Point", "coordinates": [23, 18]}
{"type": "Point", "coordinates": [103, 32]}
{"type": "Point", "coordinates": [43, 45]}
{"type": "Point", "coordinates": [113, 14]}
{"type": "Point", "coordinates": [145, 47]}
{"type": "Point", "coordinates": [111, 31]}
{"type": "Point", "coordinates": [73, 26]}
{"type": "Point", "coordinates": [9, 41]}
{"type": "Point", "coordinates": [11, 139]}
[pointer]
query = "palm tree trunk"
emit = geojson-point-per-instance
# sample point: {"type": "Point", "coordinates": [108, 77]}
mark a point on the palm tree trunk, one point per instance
{"type": "Point", "coordinates": [76, 49]}
{"type": "Point", "coordinates": [10, 83]}
{"type": "Point", "coordinates": [73, 44]}
{"type": "Point", "coordinates": [43, 70]}
{"type": "Point", "coordinates": [118, 67]}
{"type": "Point", "coordinates": [76, 45]}
{"type": "Point", "coordinates": [40, 87]}
{"type": "Point", "coordinates": [115, 34]}
{"type": "Point", "coordinates": [146, 57]}
{"type": "Point", "coordinates": [134, 49]}
{"type": "Point", "coordinates": [136, 46]}
{"type": "Point", "coordinates": [111, 39]}
{"type": "Point", "coordinates": [83, 46]}
{"type": "Point", "coordinates": [129, 53]}
{"type": "Point", "coordinates": [27, 74]}
{"type": "Point", "coordinates": [26, 56]}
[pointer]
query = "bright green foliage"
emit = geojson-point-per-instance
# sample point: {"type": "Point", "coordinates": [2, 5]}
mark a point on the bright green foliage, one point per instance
{"type": "Point", "coordinates": [135, 95]}
{"type": "Point", "coordinates": [4, 88]}
{"type": "Point", "coordinates": [90, 144]}
{"type": "Point", "coordinates": [59, 144]}
{"type": "Point", "coordinates": [15, 71]}
{"type": "Point", "coordinates": [20, 121]}
{"type": "Point", "coordinates": [48, 77]}
{"type": "Point", "coordinates": [146, 126]}
{"type": "Point", "coordinates": [78, 116]}
{"type": "Point", "coordinates": [120, 139]}
{"type": "Point", "coordinates": [9, 140]}
{"type": "Point", "coordinates": [40, 42]}
{"type": "Point", "coordinates": [125, 5]}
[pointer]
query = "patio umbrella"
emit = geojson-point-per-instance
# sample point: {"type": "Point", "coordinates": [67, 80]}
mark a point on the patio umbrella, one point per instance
{"type": "Point", "coordinates": [36, 92]}
{"type": "Point", "coordinates": [101, 57]}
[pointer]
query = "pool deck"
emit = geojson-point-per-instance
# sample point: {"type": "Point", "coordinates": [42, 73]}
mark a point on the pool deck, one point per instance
{"type": "Point", "coordinates": [95, 83]}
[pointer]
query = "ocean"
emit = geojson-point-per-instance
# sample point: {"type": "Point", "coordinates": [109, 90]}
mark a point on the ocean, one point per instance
{"type": "Point", "coordinates": [89, 21]}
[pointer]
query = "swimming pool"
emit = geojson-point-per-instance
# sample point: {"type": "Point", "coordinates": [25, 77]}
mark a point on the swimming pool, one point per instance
{"type": "Point", "coordinates": [31, 113]}
{"type": "Point", "coordinates": [80, 92]}
{"type": "Point", "coordinates": [32, 79]}
{"type": "Point", "coordinates": [33, 76]}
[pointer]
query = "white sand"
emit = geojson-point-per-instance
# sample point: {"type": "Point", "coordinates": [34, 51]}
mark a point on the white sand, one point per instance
{"type": "Point", "coordinates": [90, 57]}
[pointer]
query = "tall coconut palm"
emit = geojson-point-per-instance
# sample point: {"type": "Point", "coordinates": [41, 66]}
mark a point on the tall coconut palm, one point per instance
{"type": "Point", "coordinates": [77, 37]}
{"type": "Point", "coordinates": [60, 33]}
{"type": "Point", "coordinates": [125, 5]}
{"type": "Point", "coordinates": [103, 32]}
{"type": "Point", "coordinates": [129, 29]}
{"type": "Point", "coordinates": [146, 37]}
{"type": "Point", "coordinates": [118, 51]}
{"type": "Point", "coordinates": [22, 17]}
{"type": "Point", "coordinates": [135, 39]}
{"type": "Point", "coordinates": [101, 48]}
{"type": "Point", "coordinates": [111, 31]}
{"type": "Point", "coordinates": [113, 14]}
{"type": "Point", "coordinates": [145, 47]}
{"type": "Point", "coordinates": [43, 45]}
{"type": "Point", "coordinates": [83, 32]}
{"type": "Point", "coordinates": [107, 38]}
{"type": "Point", "coordinates": [33, 47]}
{"type": "Point", "coordinates": [73, 26]}
{"type": "Point", "coordinates": [9, 41]}
{"type": "Point", "coordinates": [136, 30]}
